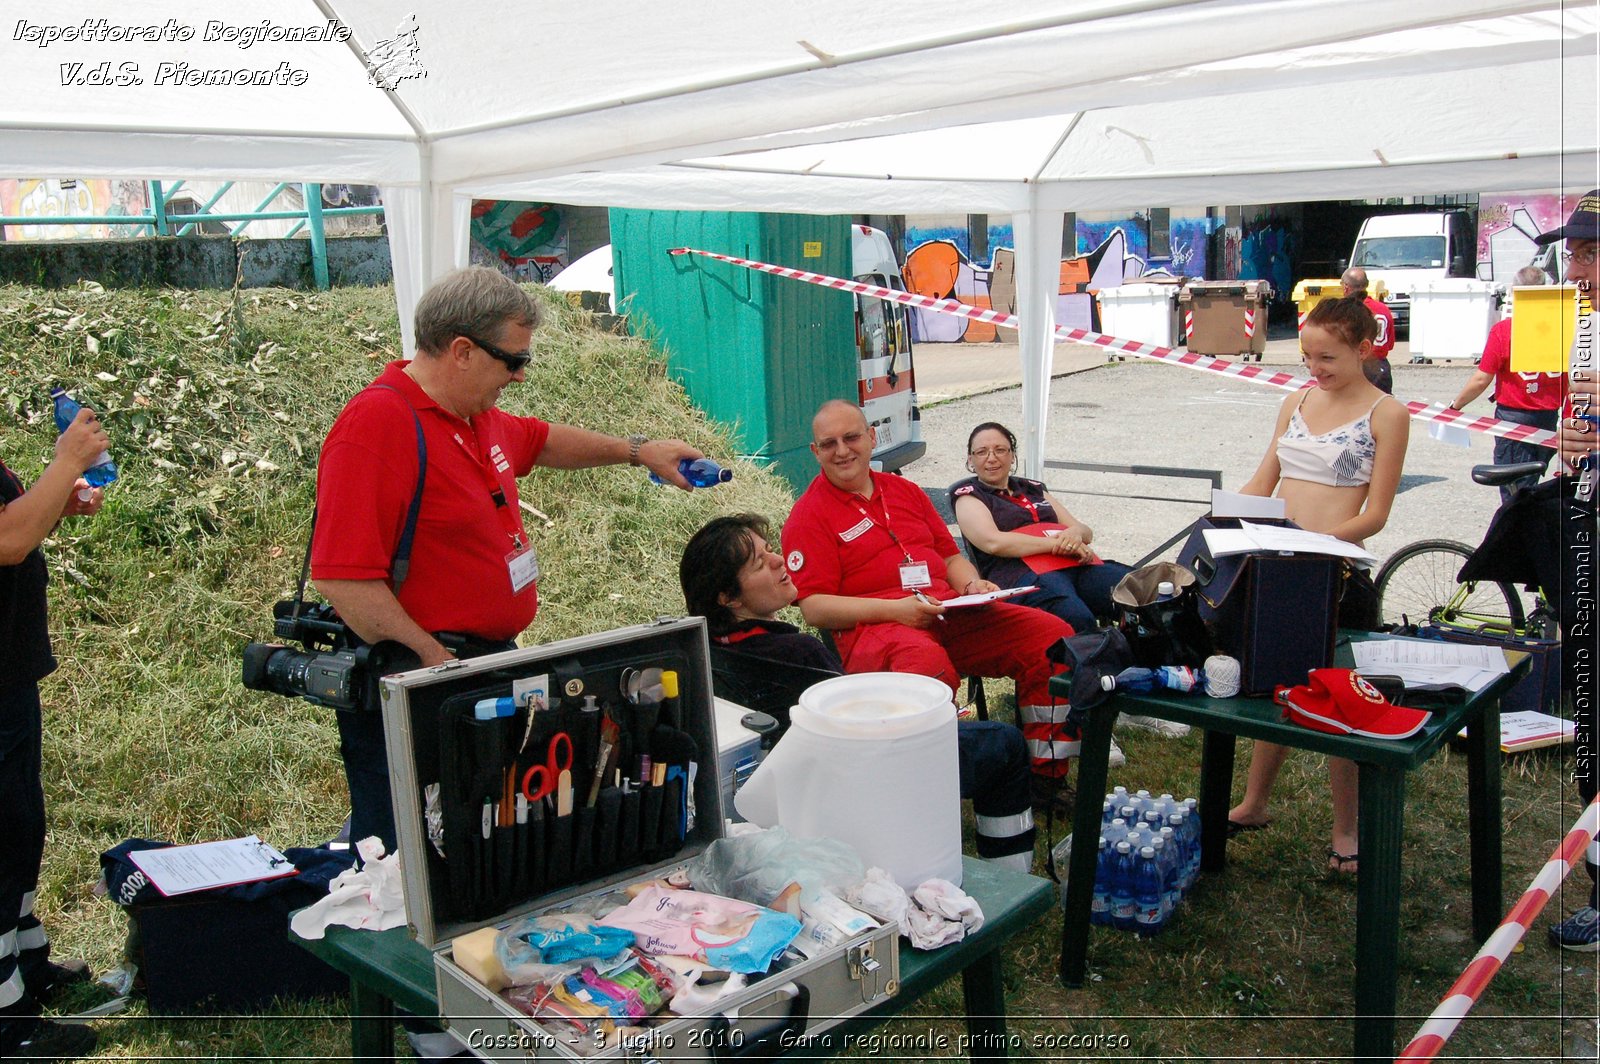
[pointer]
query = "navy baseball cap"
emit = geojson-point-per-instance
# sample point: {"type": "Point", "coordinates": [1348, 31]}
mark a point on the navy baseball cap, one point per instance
{"type": "Point", "coordinates": [1584, 224]}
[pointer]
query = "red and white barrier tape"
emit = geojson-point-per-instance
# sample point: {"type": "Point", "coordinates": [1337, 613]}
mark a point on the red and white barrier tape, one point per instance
{"type": "Point", "coordinates": [1432, 412]}
{"type": "Point", "coordinates": [1433, 1034]}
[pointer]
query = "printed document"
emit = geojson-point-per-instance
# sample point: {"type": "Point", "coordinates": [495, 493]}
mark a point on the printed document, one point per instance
{"type": "Point", "coordinates": [1431, 664]}
{"type": "Point", "coordinates": [1251, 537]}
{"type": "Point", "coordinates": [209, 865]}
{"type": "Point", "coordinates": [987, 597]}
{"type": "Point", "coordinates": [1232, 504]}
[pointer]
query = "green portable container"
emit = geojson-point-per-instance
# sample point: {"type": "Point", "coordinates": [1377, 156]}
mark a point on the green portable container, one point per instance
{"type": "Point", "coordinates": [752, 350]}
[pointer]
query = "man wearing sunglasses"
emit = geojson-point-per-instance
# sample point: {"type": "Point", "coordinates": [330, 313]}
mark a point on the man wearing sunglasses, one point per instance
{"type": "Point", "coordinates": [471, 571]}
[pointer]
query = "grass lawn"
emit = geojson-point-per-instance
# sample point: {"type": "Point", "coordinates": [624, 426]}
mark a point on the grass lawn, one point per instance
{"type": "Point", "coordinates": [217, 403]}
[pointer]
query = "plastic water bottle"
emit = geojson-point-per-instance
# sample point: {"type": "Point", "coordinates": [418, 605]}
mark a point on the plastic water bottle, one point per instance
{"type": "Point", "coordinates": [1116, 831]}
{"type": "Point", "coordinates": [104, 470]}
{"type": "Point", "coordinates": [1108, 812]}
{"type": "Point", "coordinates": [700, 473]}
{"type": "Point", "coordinates": [1167, 857]}
{"type": "Point", "coordinates": [1188, 867]}
{"type": "Point", "coordinates": [1104, 870]}
{"type": "Point", "coordinates": [1166, 591]}
{"type": "Point", "coordinates": [1147, 919]}
{"type": "Point", "coordinates": [1122, 902]}
{"type": "Point", "coordinates": [1135, 680]}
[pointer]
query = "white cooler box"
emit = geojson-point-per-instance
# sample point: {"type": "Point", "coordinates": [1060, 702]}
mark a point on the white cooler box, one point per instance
{"type": "Point", "coordinates": [1451, 317]}
{"type": "Point", "coordinates": [1145, 313]}
{"type": "Point", "coordinates": [738, 752]}
{"type": "Point", "coordinates": [435, 741]}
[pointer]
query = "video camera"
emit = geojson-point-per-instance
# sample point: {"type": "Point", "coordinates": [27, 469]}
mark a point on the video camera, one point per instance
{"type": "Point", "coordinates": [336, 669]}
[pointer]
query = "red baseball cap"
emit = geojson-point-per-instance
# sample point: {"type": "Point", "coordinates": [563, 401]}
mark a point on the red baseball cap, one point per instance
{"type": "Point", "coordinates": [1341, 702]}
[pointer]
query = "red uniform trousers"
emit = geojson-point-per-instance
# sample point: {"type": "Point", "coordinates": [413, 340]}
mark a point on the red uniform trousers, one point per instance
{"type": "Point", "coordinates": [994, 640]}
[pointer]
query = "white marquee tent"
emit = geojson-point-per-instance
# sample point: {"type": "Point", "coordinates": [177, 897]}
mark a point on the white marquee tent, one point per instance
{"type": "Point", "coordinates": [1027, 107]}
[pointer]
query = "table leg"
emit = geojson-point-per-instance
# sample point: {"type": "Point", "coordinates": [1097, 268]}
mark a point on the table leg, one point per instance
{"type": "Point", "coordinates": [1216, 797]}
{"type": "Point", "coordinates": [371, 1024]}
{"type": "Point", "coordinates": [1483, 810]}
{"type": "Point", "coordinates": [985, 996]}
{"type": "Point", "coordinates": [1093, 752]}
{"type": "Point", "coordinates": [1382, 823]}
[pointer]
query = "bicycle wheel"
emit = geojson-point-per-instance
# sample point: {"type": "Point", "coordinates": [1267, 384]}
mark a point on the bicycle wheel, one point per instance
{"type": "Point", "coordinates": [1418, 585]}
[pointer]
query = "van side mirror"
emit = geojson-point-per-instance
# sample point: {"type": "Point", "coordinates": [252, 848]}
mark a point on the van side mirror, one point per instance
{"type": "Point", "coordinates": [1342, 265]}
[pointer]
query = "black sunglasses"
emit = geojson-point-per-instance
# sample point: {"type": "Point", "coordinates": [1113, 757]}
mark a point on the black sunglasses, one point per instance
{"type": "Point", "coordinates": [513, 362]}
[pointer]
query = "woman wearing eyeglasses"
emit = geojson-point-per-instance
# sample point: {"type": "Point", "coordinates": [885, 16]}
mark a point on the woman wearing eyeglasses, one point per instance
{"type": "Point", "coordinates": [1020, 534]}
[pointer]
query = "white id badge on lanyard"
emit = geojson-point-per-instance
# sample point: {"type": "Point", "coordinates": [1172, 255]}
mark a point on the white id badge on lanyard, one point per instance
{"type": "Point", "coordinates": [523, 564]}
{"type": "Point", "coordinates": [914, 575]}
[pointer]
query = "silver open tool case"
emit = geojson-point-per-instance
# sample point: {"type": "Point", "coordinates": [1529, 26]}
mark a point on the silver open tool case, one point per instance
{"type": "Point", "coordinates": [436, 742]}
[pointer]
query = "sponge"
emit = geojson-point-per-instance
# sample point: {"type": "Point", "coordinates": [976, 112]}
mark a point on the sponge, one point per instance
{"type": "Point", "coordinates": [474, 953]}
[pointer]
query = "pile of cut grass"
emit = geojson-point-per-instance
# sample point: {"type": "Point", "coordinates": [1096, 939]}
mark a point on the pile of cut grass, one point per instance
{"type": "Point", "coordinates": [216, 404]}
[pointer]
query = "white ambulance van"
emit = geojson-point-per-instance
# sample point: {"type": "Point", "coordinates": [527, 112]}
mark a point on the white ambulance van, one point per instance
{"type": "Point", "coordinates": [887, 381]}
{"type": "Point", "coordinates": [1402, 249]}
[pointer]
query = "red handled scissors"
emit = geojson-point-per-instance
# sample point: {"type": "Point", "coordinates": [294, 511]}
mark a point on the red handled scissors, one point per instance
{"type": "Point", "coordinates": [549, 773]}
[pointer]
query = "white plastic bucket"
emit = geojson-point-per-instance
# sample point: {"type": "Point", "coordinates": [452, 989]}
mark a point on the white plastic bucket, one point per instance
{"type": "Point", "coordinates": [869, 759]}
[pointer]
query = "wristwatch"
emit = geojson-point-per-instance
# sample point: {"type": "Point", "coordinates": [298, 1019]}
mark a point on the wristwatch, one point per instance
{"type": "Point", "coordinates": [635, 441]}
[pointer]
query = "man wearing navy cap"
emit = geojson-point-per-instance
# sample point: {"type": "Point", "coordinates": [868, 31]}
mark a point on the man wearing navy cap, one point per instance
{"type": "Point", "coordinates": [1581, 930]}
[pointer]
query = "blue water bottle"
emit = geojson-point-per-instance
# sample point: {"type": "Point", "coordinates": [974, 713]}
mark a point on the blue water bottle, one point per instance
{"type": "Point", "coordinates": [1122, 904]}
{"type": "Point", "coordinates": [1147, 915]}
{"type": "Point", "coordinates": [1100, 906]}
{"type": "Point", "coordinates": [104, 470]}
{"type": "Point", "coordinates": [700, 473]}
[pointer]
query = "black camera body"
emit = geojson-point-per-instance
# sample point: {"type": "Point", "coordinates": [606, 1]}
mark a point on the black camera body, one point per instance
{"type": "Point", "coordinates": [336, 669]}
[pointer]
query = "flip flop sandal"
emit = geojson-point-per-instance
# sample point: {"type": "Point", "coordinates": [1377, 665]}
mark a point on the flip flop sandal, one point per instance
{"type": "Point", "coordinates": [1235, 828]}
{"type": "Point", "coordinates": [1344, 864]}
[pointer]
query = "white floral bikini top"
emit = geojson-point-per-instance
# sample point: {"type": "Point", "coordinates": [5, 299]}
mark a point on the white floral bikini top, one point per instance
{"type": "Point", "coordinates": [1341, 457]}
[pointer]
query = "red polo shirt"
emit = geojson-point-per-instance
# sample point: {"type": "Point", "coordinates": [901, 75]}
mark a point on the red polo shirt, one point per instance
{"type": "Point", "coordinates": [459, 580]}
{"type": "Point", "coordinates": [1385, 340]}
{"type": "Point", "coordinates": [1520, 391]}
{"type": "Point", "coordinates": [837, 543]}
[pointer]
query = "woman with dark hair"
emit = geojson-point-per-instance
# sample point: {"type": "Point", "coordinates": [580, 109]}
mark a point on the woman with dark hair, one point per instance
{"type": "Point", "coordinates": [733, 578]}
{"type": "Point", "coordinates": [1020, 534]}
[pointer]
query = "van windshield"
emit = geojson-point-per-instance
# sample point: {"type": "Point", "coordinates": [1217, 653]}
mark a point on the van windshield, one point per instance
{"type": "Point", "coordinates": [1399, 252]}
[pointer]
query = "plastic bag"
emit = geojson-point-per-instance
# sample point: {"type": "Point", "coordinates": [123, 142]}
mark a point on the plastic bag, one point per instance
{"type": "Point", "coordinates": [756, 867]}
{"type": "Point", "coordinates": [732, 935]}
{"type": "Point", "coordinates": [549, 948]}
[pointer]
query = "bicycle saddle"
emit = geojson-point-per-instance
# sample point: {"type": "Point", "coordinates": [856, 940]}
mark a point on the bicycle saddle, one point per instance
{"type": "Point", "coordinates": [1494, 475]}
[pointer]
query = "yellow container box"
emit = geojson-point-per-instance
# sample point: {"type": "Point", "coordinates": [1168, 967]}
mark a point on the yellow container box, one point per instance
{"type": "Point", "coordinates": [1308, 293]}
{"type": "Point", "coordinates": [1544, 324]}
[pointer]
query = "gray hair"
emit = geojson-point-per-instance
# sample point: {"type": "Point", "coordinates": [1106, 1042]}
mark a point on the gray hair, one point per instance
{"type": "Point", "coordinates": [475, 301]}
{"type": "Point", "coordinates": [1530, 275]}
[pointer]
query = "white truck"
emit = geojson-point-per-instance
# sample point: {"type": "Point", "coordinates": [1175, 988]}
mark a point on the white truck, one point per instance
{"type": "Point", "coordinates": [1402, 249]}
{"type": "Point", "coordinates": [886, 383]}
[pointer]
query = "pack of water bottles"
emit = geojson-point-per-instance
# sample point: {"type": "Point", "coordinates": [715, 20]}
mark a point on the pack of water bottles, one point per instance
{"type": "Point", "coordinates": [1149, 859]}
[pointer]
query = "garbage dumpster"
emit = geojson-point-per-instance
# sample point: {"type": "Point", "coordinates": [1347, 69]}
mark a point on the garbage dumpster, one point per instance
{"type": "Point", "coordinates": [1139, 312]}
{"type": "Point", "coordinates": [1226, 317]}
{"type": "Point", "coordinates": [1451, 316]}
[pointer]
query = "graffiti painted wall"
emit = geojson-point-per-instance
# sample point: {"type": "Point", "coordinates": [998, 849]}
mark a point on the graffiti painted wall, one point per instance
{"type": "Point", "coordinates": [1507, 226]}
{"type": "Point", "coordinates": [1269, 248]}
{"type": "Point", "coordinates": [530, 239]}
{"type": "Point", "coordinates": [65, 199]}
{"type": "Point", "coordinates": [939, 268]}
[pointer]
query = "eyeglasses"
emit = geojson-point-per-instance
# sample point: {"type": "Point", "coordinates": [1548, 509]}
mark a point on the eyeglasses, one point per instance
{"type": "Point", "coordinates": [992, 452]}
{"type": "Point", "coordinates": [1586, 257]}
{"type": "Point", "coordinates": [849, 439]}
{"type": "Point", "coordinates": [512, 362]}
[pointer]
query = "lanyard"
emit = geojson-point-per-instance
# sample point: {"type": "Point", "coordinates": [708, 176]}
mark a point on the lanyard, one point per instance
{"type": "Point", "coordinates": [892, 537]}
{"type": "Point", "coordinates": [1031, 507]}
{"type": "Point", "coordinates": [497, 494]}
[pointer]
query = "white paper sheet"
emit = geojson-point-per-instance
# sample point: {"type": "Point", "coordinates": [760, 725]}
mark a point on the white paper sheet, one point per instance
{"type": "Point", "coordinates": [1430, 663]}
{"type": "Point", "coordinates": [208, 865]}
{"type": "Point", "coordinates": [1250, 537]}
{"type": "Point", "coordinates": [988, 596]}
{"type": "Point", "coordinates": [1232, 504]}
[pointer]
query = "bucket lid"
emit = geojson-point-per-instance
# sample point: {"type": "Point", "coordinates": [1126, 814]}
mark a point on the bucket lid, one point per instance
{"type": "Point", "coordinates": [873, 706]}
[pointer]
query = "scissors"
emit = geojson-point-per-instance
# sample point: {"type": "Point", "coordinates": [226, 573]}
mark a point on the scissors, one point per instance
{"type": "Point", "coordinates": [549, 773]}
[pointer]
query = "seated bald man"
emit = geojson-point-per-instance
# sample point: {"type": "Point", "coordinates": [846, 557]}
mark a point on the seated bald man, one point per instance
{"type": "Point", "coordinates": [872, 563]}
{"type": "Point", "coordinates": [733, 578]}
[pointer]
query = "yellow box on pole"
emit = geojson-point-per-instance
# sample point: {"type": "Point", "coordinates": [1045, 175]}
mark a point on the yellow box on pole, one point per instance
{"type": "Point", "coordinates": [1544, 321]}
